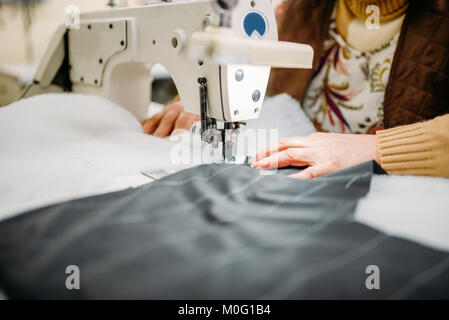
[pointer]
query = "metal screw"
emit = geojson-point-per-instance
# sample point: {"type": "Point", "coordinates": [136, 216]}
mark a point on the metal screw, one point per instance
{"type": "Point", "coordinates": [174, 42]}
{"type": "Point", "coordinates": [239, 75]}
{"type": "Point", "coordinates": [207, 21]}
{"type": "Point", "coordinates": [256, 95]}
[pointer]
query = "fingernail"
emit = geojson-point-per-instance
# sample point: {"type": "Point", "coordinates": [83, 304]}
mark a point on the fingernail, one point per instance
{"type": "Point", "coordinates": [252, 160]}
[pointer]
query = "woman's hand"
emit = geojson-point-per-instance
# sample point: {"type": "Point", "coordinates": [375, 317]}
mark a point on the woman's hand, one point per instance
{"type": "Point", "coordinates": [322, 152]}
{"type": "Point", "coordinates": [172, 118]}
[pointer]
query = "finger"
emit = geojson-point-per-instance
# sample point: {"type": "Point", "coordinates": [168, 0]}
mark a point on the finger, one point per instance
{"type": "Point", "coordinates": [167, 123]}
{"type": "Point", "coordinates": [185, 121]}
{"type": "Point", "coordinates": [290, 157]}
{"type": "Point", "coordinates": [177, 132]}
{"type": "Point", "coordinates": [151, 124]}
{"type": "Point", "coordinates": [284, 143]}
{"type": "Point", "coordinates": [312, 172]}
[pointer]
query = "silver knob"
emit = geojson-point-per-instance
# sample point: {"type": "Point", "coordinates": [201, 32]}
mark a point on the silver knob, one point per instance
{"type": "Point", "coordinates": [239, 75]}
{"type": "Point", "coordinates": [256, 95]}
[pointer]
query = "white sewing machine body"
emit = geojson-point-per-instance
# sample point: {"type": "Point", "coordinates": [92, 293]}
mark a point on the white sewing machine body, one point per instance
{"type": "Point", "coordinates": [111, 52]}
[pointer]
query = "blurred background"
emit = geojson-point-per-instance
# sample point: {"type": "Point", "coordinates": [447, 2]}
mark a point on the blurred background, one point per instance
{"type": "Point", "coordinates": [26, 27]}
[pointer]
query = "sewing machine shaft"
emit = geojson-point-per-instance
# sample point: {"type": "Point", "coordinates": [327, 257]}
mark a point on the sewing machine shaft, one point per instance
{"type": "Point", "coordinates": [210, 133]}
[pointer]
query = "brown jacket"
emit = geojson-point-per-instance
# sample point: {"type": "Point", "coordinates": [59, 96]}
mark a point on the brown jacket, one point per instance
{"type": "Point", "coordinates": [418, 87]}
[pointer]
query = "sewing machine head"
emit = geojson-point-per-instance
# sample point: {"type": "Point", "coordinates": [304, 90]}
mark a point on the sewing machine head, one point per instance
{"type": "Point", "coordinates": [241, 86]}
{"type": "Point", "coordinates": [218, 52]}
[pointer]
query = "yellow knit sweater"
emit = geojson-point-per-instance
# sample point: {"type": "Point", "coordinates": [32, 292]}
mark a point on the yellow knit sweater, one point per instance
{"type": "Point", "coordinates": [416, 149]}
{"type": "Point", "coordinates": [351, 17]}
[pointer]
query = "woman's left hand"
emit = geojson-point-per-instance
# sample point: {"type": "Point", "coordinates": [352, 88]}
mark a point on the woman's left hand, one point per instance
{"type": "Point", "coordinates": [322, 152]}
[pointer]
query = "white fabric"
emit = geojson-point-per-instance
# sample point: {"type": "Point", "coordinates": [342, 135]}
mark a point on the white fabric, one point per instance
{"type": "Point", "coordinates": [59, 147]}
{"type": "Point", "coordinates": [284, 113]}
{"type": "Point", "coordinates": [414, 208]}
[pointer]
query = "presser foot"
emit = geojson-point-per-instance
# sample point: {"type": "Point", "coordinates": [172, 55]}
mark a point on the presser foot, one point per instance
{"type": "Point", "coordinates": [240, 159]}
{"type": "Point", "coordinates": [227, 137]}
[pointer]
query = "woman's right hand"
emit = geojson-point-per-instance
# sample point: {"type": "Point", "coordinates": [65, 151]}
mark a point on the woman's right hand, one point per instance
{"type": "Point", "coordinates": [171, 118]}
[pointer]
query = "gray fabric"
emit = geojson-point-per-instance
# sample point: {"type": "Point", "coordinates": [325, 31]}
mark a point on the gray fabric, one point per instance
{"type": "Point", "coordinates": [217, 232]}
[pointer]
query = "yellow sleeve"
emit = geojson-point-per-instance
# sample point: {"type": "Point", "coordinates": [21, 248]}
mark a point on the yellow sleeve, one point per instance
{"type": "Point", "coordinates": [416, 149]}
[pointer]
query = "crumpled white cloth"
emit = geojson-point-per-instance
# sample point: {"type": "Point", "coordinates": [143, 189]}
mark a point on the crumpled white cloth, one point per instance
{"type": "Point", "coordinates": [58, 147]}
{"type": "Point", "coordinates": [410, 207]}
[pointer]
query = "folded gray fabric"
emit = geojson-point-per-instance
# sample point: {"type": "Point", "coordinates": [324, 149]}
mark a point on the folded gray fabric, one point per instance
{"type": "Point", "coordinates": [217, 232]}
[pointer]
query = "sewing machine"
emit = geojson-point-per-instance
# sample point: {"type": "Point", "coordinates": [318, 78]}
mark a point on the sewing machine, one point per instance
{"type": "Point", "coordinates": [218, 52]}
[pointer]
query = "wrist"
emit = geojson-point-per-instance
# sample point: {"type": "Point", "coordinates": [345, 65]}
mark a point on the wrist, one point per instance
{"type": "Point", "coordinates": [377, 153]}
{"type": "Point", "coordinates": [374, 147]}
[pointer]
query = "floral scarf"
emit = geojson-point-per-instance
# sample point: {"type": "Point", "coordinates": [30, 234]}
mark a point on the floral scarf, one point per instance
{"type": "Point", "coordinates": [347, 91]}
